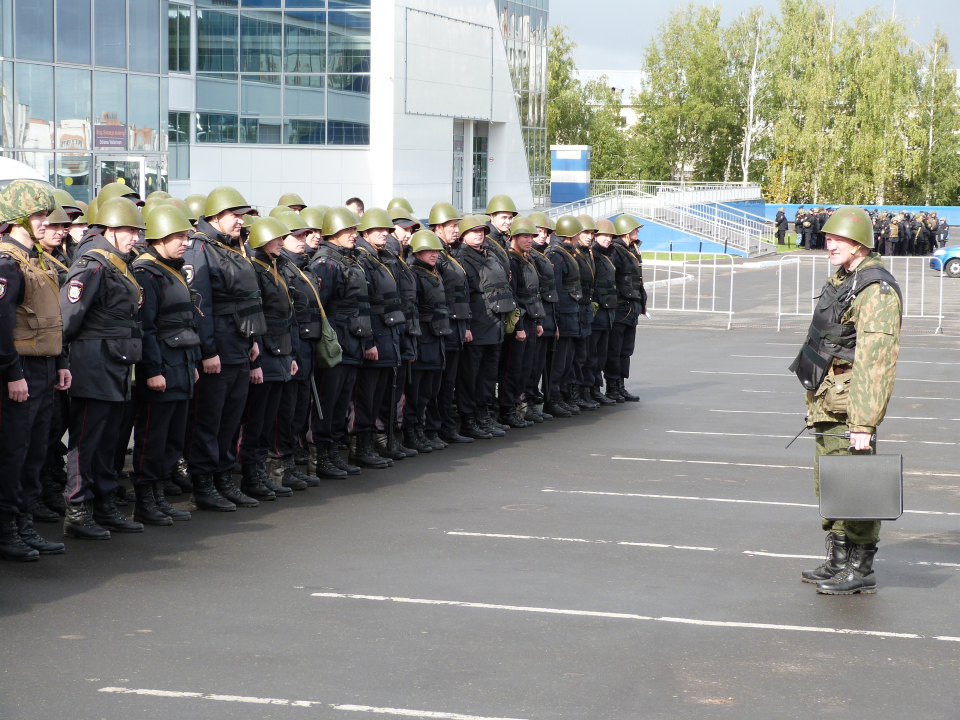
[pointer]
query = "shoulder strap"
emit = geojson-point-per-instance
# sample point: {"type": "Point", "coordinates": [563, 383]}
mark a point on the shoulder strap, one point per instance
{"type": "Point", "coordinates": [875, 274]}
{"type": "Point", "coordinates": [23, 260]}
{"type": "Point", "coordinates": [143, 259]}
{"type": "Point", "coordinates": [119, 264]}
{"type": "Point", "coordinates": [312, 288]}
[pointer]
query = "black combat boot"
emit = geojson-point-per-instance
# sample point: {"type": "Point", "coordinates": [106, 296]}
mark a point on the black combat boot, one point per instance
{"type": "Point", "coordinates": [471, 429]}
{"type": "Point", "coordinates": [120, 497]}
{"type": "Point", "coordinates": [290, 465]}
{"type": "Point", "coordinates": [837, 549]}
{"type": "Point", "coordinates": [52, 494]}
{"type": "Point", "coordinates": [613, 390]}
{"type": "Point", "coordinates": [42, 514]}
{"type": "Point", "coordinates": [856, 575]}
{"type": "Point", "coordinates": [282, 475]}
{"type": "Point", "coordinates": [206, 497]}
{"type": "Point", "coordinates": [251, 485]}
{"type": "Point", "coordinates": [491, 417]}
{"type": "Point", "coordinates": [582, 398]}
{"type": "Point", "coordinates": [433, 439]}
{"type": "Point", "coordinates": [412, 439]}
{"type": "Point", "coordinates": [227, 487]}
{"type": "Point", "coordinates": [325, 467]}
{"type": "Point", "coordinates": [301, 456]}
{"type": "Point", "coordinates": [625, 394]}
{"type": "Point", "coordinates": [12, 546]}
{"type": "Point", "coordinates": [170, 487]}
{"type": "Point", "coordinates": [181, 476]}
{"type": "Point", "coordinates": [384, 449]}
{"type": "Point", "coordinates": [488, 425]}
{"type": "Point", "coordinates": [31, 538]}
{"type": "Point", "coordinates": [555, 408]}
{"type": "Point", "coordinates": [531, 414]}
{"type": "Point", "coordinates": [569, 400]}
{"type": "Point", "coordinates": [79, 523]}
{"type": "Point", "coordinates": [267, 479]}
{"type": "Point", "coordinates": [397, 445]}
{"type": "Point", "coordinates": [599, 398]}
{"type": "Point", "coordinates": [145, 508]}
{"type": "Point", "coordinates": [509, 416]}
{"type": "Point", "coordinates": [333, 456]}
{"type": "Point", "coordinates": [166, 508]}
{"type": "Point", "coordinates": [106, 514]}
{"type": "Point", "coordinates": [363, 453]}
{"type": "Point", "coordinates": [455, 438]}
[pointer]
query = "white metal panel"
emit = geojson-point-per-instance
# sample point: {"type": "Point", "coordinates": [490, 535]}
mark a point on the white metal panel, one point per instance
{"type": "Point", "coordinates": [449, 65]}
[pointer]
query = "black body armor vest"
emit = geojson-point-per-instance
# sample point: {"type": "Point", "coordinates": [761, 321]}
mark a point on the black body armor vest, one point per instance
{"type": "Point", "coordinates": [605, 286]}
{"type": "Point", "coordinates": [433, 308]}
{"type": "Point", "coordinates": [547, 280]}
{"type": "Point", "coordinates": [827, 337]}
{"type": "Point", "coordinates": [116, 319]}
{"type": "Point", "coordinates": [497, 293]}
{"type": "Point", "coordinates": [384, 296]}
{"type": "Point", "coordinates": [454, 285]}
{"type": "Point", "coordinates": [277, 310]}
{"type": "Point", "coordinates": [407, 287]}
{"type": "Point", "coordinates": [629, 275]}
{"type": "Point", "coordinates": [587, 275]}
{"type": "Point", "coordinates": [528, 289]}
{"type": "Point", "coordinates": [302, 288]}
{"type": "Point", "coordinates": [571, 283]}
{"type": "Point", "coordinates": [240, 295]}
{"type": "Point", "coordinates": [176, 325]}
{"type": "Point", "coordinates": [352, 302]}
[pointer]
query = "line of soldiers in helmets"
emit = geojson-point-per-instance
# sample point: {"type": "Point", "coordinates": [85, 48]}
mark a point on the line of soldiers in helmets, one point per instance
{"type": "Point", "coordinates": [220, 338]}
{"type": "Point", "coordinates": [895, 233]}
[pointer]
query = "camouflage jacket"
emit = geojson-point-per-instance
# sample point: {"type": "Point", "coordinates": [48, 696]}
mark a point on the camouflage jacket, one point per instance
{"type": "Point", "coordinates": [860, 397]}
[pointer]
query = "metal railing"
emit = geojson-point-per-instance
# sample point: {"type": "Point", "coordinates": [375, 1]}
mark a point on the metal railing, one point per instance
{"type": "Point", "coordinates": [694, 273]}
{"type": "Point", "coordinates": [921, 299]}
{"type": "Point", "coordinates": [719, 192]}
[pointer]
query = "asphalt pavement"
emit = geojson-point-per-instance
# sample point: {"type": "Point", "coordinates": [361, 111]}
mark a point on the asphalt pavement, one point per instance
{"type": "Point", "coordinates": [640, 561]}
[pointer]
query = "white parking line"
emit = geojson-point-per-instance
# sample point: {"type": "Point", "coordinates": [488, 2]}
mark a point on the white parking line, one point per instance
{"type": "Point", "coordinates": [578, 540]}
{"type": "Point", "coordinates": [796, 414]}
{"type": "Point", "coordinates": [403, 712]}
{"type": "Point", "coordinates": [790, 437]}
{"type": "Point", "coordinates": [630, 616]}
{"type": "Point", "coordinates": [726, 372]}
{"type": "Point", "coordinates": [720, 500]}
{"type": "Point", "coordinates": [715, 462]}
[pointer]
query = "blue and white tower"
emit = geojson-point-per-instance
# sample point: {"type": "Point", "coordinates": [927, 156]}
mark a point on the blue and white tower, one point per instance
{"type": "Point", "coordinates": [569, 173]}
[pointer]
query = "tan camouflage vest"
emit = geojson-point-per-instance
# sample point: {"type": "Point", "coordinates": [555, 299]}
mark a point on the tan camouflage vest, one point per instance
{"type": "Point", "coordinates": [38, 330]}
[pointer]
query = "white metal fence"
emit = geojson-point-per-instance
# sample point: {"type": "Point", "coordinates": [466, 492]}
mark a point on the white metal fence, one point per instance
{"type": "Point", "coordinates": [800, 280]}
{"type": "Point", "coordinates": [689, 283]}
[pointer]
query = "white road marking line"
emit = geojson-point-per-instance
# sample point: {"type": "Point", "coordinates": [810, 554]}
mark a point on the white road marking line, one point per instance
{"type": "Point", "coordinates": [802, 437]}
{"type": "Point", "coordinates": [820, 557]}
{"type": "Point", "coordinates": [578, 540]}
{"type": "Point", "coordinates": [912, 397]}
{"type": "Point", "coordinates": [725, 372]}
{"type": "Point", "coordinates": [796, 414]}
{"type": "Point", "coordinates": [715, 462]}
{"type": "Point", "coordinates": [403, 712]}
{"type": "Point", "coordinates": [947, 637]}
{"type": "Point", "coordinates": [721, 500]}
{"type": "Point", "coordinates": [767, 357]}
{"type": "Point", "coordinates": [926, 362]}
{"type": "Point", "coordinates": [933, 474]}
{"type": "Point", "coordinates": [625, 616]}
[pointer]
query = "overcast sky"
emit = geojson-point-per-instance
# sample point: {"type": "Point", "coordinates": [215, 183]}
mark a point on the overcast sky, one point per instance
{"type": "Point", "coordinates": [602, 28]}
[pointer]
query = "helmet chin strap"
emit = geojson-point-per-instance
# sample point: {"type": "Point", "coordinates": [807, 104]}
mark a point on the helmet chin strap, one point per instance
{"type": "Point", "coordinates": [24, 222]}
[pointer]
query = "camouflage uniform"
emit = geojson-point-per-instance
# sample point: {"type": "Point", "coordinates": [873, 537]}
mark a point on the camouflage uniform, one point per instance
{"type": "Point", "coordinates": [854, 398]}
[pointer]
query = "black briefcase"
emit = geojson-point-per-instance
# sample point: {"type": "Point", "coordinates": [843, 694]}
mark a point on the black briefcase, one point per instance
{"type": "Point", "coordinates": [861, 487]}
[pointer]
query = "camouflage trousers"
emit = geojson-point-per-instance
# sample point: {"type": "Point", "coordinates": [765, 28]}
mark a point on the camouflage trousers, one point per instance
{"type": "Point", "coordinates": [861, 532]}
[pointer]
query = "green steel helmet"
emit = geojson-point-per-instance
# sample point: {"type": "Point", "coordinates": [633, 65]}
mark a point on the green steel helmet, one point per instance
{"type": "Point", "coordinates": [605, 227]}
{"type": "Point", "coordinates": [197, 203]}
{"type": "Point", "coordinates": [293, 221]}
{"type": "Point", "coordinates": [158, 194]}
{"type": "Point", "coordinates": [852, 223]}
{"type": "Point", "coordinates": [324, 208]}
{"type": "Point", "coordinates": [587, 222]}
{"type": "Point", "coordinates": [425, 240]}
{"type": "Point", "coordinates": [118, 189]}
{"type": "Point", "coordinates": [443, 212]}
{"type": "Point", "coordinates": [266, 229]}
{"type": "Point", "coordinates": [291, 200]}
{"type": "Point", "coordinates": [223, 198]}
{"type": "Point", "coordinates": [375, 218]}
{"type": "Point", "coordinates": [184, 208]}
{"type": "Point", "coordinates": [522, 226]}
{"type": "Point", "coordinates": [91, 214]}
{"type": "Point", "coordinates": [398, 215]}
{"type": "Point", "coordinates": [120, 212]}
{"type": "Point", "coordinates": [541, 220]}
{"type": "Point", "coordinates": [400, 202]}
{"type": "Point", "coordinates": [313, 217]}
{"type": "Point", "coordinates": [337, 219]}
{"type": "Point", "coordinates": [166, 219]}
{"type": "Point", "coordinates": [501, 203]}
{"type": "Point", "coordinates": [279, 209]}
{"type": "Point", "coordinates": [568, 226]}
{"type": "Point", "coordinates": [58, 216]}
{"type": "Point", "coordinates": [625, 224]}
{"type": "Point", "coordinates": [23, 198]}
{"type": "Point", "coordinates": [472, 222]}
{"type": "Point", "coordinates": [67, 202]}
{"type": "Point", "coordinates": [81, 219]}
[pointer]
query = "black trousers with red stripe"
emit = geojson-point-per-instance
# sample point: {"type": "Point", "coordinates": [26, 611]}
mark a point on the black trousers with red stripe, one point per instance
{"type": "Point", "coordinates": [423, 388]}
{"type": "Point", "coordinates": [513, 361]}
{"type": "Point", "coordinates": [292, 415]}
{"type": "Point", "coordinates": [24, 434]}
{"type": "Point", "coordinates": [477, 375]}
{"type": "Point", "coordinates": [158, 431]}
{"type": "Point", "coordinates": [256, 434]}
{"type": "Point", "coordinates": [94, 426]}
{"type": "Point", "coordinates": [335, 386]}
{"type": "Point", "coordinates": [372, 384]}
{"type": "Point", "coordinates": [216, 411]}
{"type": "Point", "coordinates": [439, 416]}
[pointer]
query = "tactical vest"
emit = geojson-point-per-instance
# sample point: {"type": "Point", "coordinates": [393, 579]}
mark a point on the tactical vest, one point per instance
{"type": "Point", "coordinates": [629, 279]}
{"type": "Point", "coordinates": [895, 230]}
{"type": "Point", "coordinates": [497, 294]}
{"type": "Point", "coordinates": [827, 337]}
{"type": "Point", "coordinates": [384, 297]}
{"type": "Point", "coordinates": [528, 289]}
{"type": "Point", "coordinates": [352, 301]}
{"type": "Point", "coordinates": [407, 288]}
{"type": "Point", "coordinates": [304, 298]}
{"type": "Point", "coordinates": [587, 275]}
{"type": "Point", "coordinates": [496, 248]}
{"type": "Point", "coordinates": [432, 307]}
{"type": "Point", "coordinates": [38, 330]}
{"type": "Point", "coordinates": [571, 280]}
{"type": "Point", "coordinates": [605, 288]}
{"type": "Point", "coordinates": [176, 325]}
{"type": "Point", "coordinates": [277, 309]}
{"type": "Point", "coordinates": [546, 278]}
{"type": "Point", "coordinates": [240, 295]}
{"type": "Point", "coordinates": [454, 286]}
{"type": "Point", "coordinates": [118, 324]}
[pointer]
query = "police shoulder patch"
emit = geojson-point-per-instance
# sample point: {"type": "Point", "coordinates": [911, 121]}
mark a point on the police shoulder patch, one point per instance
{"type": "Point", "coordinates": [83, 262]}
{"type": "Point", "coordinates": [188, 273]}
{"type": "Point", "coordinates": [884, 287]}
{"type": "Point", "coordinates": [3, 286]}
{"type": "Point", "coordinates": [74, 291]}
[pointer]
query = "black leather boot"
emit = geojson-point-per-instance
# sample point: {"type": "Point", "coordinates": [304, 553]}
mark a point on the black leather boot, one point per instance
{"type": "Point", "coordinates": [471, 429]}
{"type": "Point", "coordinates": [267, 479]}
{"type": "Point", "coordinates": [79, 523]}
{"type": "Point", "coordinates": [412, 439]}
{"type": "Point", "coordinates": [206, 497]}
{"type": "Point", "coordinates": [160, 495]}
{"type": "Point", "coordinates": [384, 449]}
{"type": "Point", "coordinates": [509, 416]}
{"type": "Point", "coordinates": [52, 495]}
{"type": "Point", "coordinates": [281, 474]}
{"type": "Point", "coordinates": [290, 465]}
{"type": "Point", "coordinates": [488, 425]}
{"type": "Point", "coordinates": [599, 398]}
{"type": "Point", "coordinates": [301, 456]}
{"type": "Point", "coordinates": [251, 485]}
{"type": "Point", "coordinates": [170, 488]}
{"type": "Point", "coordinates": [433, 439]}
{"type": "Point", "coordinates": [837, 549]}
{"type": "Point", "coordinates": [325, 468]}
{"type": "Point", "coordinates": [856, 575]}
{"type": "Point", "coordinates": [582, 399]}
{"type": "Point", "coordinates": [625, 394]}
{"type": "Point", "coordinates": [227, 487]}
{"type": "Point", "coordinates": [145, 508]}
{"type": "Point", "coordinates": [106, 514]}
{"type": "Point", "coordinates": [613, 390]}
{"type": "Point", "coordinates": [569, 400]}
{"type": "Point", "coordinates": [42, 514]}
{"type": "Point", "coordinates": [333, 456]}
{"type": "Point", "coordinates": [12, 546]}
{"type": "Point", "coordinates": [181, 477]}
{"type": "Point", "coordinates": [455, 438]}
{"type": "Point", "coordinates": [531, 414]}
{"type": "Point", "coordinates": [397, 445]}
{"type": "Point", "coordinates": [31, 538]}
{"type": "Point", "coordinates": [364, 455]}
{"type": "Point", "coordinates": [556, 409]}
{"type": "Point", "coordinates": [491, 417]}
